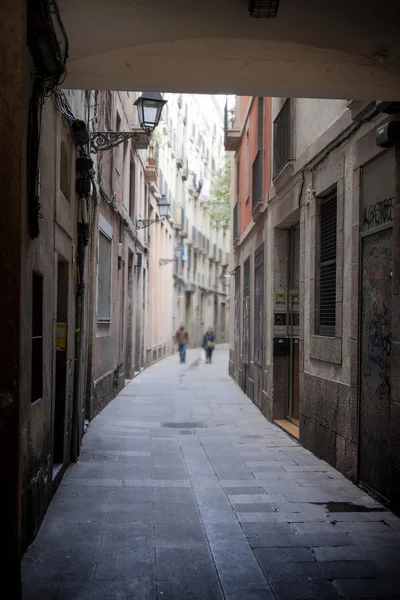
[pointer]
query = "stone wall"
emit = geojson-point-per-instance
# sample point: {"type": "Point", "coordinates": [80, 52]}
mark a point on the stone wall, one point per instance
{"type": "Point", "coordinates": [328, 422]}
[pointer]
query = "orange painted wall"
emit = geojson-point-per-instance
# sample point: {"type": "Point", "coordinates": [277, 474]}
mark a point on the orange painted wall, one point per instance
{"type": "Point", "coordinates": [248, 120]}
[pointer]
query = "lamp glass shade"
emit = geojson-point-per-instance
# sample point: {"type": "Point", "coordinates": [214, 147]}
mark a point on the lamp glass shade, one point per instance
{"type": "Point", "coordinates": [163, 206]}
{"type": "Point", "coordinates": [178, 251]}
{"type": "Point", "coordinates": [149, 106]}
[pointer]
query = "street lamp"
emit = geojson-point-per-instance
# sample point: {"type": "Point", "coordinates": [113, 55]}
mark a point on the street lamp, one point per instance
{"type": "Point", "coordinates": [149, 106]}
{"type": "Point", "coordinates": [224, 279]}
{"type": "Point", "coordinates": [163, 207]}
{"type": "Point", "coordinates": [178, 255]}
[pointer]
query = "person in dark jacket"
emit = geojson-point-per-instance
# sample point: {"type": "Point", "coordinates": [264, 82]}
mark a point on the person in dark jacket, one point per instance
{"type": "Point", "coordinates": [209, 342]}
{"type": "Point", "coordinates": [182, 339]}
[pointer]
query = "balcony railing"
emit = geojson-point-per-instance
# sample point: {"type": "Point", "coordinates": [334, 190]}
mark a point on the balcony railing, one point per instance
{"type": "Point", "coordinates": [258, 179]}
{"type": "Point", "coordinates": [232, 130]}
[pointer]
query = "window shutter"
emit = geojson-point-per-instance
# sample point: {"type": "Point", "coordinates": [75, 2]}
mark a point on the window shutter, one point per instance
{"type": "Point", "coordinates": [327, 276]}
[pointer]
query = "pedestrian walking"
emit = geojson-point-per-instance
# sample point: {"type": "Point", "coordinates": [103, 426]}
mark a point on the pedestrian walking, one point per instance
{"type": "Point", "coordinates": [182, 339]}
{"type": "Point", "coordinates": [209, 342]}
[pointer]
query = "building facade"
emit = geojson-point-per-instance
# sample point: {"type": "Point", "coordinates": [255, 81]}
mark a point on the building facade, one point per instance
{"type": "Point", "coordinates": [189, 151]}
{"type": "Point", "coordinates": [315, 328]}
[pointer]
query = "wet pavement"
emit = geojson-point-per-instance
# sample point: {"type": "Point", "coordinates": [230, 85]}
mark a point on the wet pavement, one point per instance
{"type": "Point", "coordinates": [184, 491]}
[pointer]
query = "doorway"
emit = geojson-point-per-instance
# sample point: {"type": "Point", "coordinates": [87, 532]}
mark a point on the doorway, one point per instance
{"type": "Point", "coordinates": [187, 310]}
{"type": "Point", "coordinates": [246, 324]}
{"type": "Point", "coordinates": [378, 191]}
{"type": "Point", "coordinates": [129, 318]}
{"type": "Point", "coordinates": [62, 382]}
{"type": "Point", "coordinates": [293, 325]}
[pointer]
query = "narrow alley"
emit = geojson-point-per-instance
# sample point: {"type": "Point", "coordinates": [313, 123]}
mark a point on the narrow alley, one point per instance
{"type": "Point", "coordinates": [184, 491]}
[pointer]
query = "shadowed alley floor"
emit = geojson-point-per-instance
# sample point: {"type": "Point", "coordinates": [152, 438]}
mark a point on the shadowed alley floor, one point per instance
{"type": "Point", "coordinates": [184, 491]}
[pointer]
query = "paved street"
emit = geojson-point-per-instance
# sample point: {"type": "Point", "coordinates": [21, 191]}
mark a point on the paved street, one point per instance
{"type": "Point", "coordinates": [185, 492]}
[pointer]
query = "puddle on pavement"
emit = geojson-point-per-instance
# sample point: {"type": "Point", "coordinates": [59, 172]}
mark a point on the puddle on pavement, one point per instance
{"type": "Point", "coordinates": [338, 507]}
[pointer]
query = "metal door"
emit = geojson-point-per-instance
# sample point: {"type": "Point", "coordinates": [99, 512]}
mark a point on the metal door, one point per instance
{"type": "Point", "coordinates": [246, 323]}
{"type": "Point", "coordinates": [375, 323]}
{"type": "Point", "coordinates": [237, 324]}
{"type": "Point", "coordinates": [258, 325]}
{"type": "Point", "coordinates": [293, 325]}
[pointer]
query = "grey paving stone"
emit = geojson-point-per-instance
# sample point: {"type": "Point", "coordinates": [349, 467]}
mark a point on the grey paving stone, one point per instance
{"type": "Point", "coordinates": [39, 590]}
{"type": "Point", "coordinates": [195, 565]}
{"type": "Point", "coordinates": [237, 566]}
{"type": "Point", "coordinates": [302, 588]}
{"type": "Point", "coordinates": [256, 508]}
{"type": "Point", "coordinates": [244, 490]}
{"type": "Point", "coordinates": [321, 569]}
{"type": "Point", "coordinates": [126, 566]}
{"type": "Point", "coordinates": [306, 540]}
{"type": "Point", "coordinates": [367, 588]}
{"type": "Point", "coordinates": [147, 507]}
{"type": "Point", "coordinates": [269, 556]}
{"type": "Point", "coordinates": [254, 529]}
{"type": "Point", "coordinates": [252, 593]}
{"type": "Point", "coordinates": [107, 590]}
{"type": "Point", "coordinates": [185, 590]}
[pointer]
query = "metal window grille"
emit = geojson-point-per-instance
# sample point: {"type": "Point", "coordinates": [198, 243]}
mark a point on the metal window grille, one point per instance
{"type": "Point", "coordinates": [37, 337]}
{"type": "Point", "coordinates": [282, 137]}
{"type": "Point", "coordinates": [236, 231]}
{"type": "Point", "coordinates": [104, 278]}
{"type": "Point", "coordinates": [263, 9]}
{"type": "Point", "coordinates": [259, 306]}
{"type": "Point", "coordinates": [327, 267]}
{"type": "Point", "coordinates": [257, 175]}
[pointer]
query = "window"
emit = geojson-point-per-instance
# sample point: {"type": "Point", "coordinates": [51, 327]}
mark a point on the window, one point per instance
{"type": "Point", "coordinates": [132, 184]}
{"type": "Point", "coordinates": [247, 193]}
{"type": "Point", "coordinates": [327, 267]}
{"type": "Point", "coordinates": [258, 179]}
{"type": "Point", "coordinates": [238, 179]}
{"type": "Point", "coordinates": [64, 171]}
{"type": "Point", "coordinates": [236, 231]}
{"type": "Point", "coordinates": [260, 124]}
{"type": "Point", "coordinates": [282, 137]}
{"type": "Point", "coordinates": [222, 327]}
{"type": "Point", "coordinates": [37, 338]}
{"type": "Point", "coordinates": [104, 278]}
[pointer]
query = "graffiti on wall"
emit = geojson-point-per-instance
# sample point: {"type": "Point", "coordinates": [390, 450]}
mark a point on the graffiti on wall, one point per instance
{"type": "Point", "coordinates": [378, 213]}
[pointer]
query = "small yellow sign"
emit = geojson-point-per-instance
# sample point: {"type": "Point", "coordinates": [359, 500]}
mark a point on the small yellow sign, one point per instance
{"type": "Point", "coordinates": [280, 299]}
{"type": "Point", "coordinates": [61, 336]}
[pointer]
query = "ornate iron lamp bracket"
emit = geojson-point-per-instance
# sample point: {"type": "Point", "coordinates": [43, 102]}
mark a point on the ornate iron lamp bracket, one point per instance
{"type": "Point", "coordinates": [143, 223]}
{"type": "Point", "coordinates": [165, 261]}
{"type": "Point", "coordinates": [104, 140]}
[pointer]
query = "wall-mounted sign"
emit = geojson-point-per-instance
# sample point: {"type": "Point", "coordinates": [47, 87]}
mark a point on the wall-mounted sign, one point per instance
{"type": "Point", "coordinates": [61, 336]}
{"type": "Point", "coordinates": [280, 299]}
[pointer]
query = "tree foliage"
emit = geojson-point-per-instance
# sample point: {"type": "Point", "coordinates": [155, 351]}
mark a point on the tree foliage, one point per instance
{"type": "Point", "coordinates": [219, 205]}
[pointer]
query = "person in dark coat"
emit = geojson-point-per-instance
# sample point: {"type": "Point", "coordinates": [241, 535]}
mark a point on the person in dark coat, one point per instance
{"type": "Point", "coordinates": [182, 339]}
{"type": "Point", "coordinates": [209, 342]}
